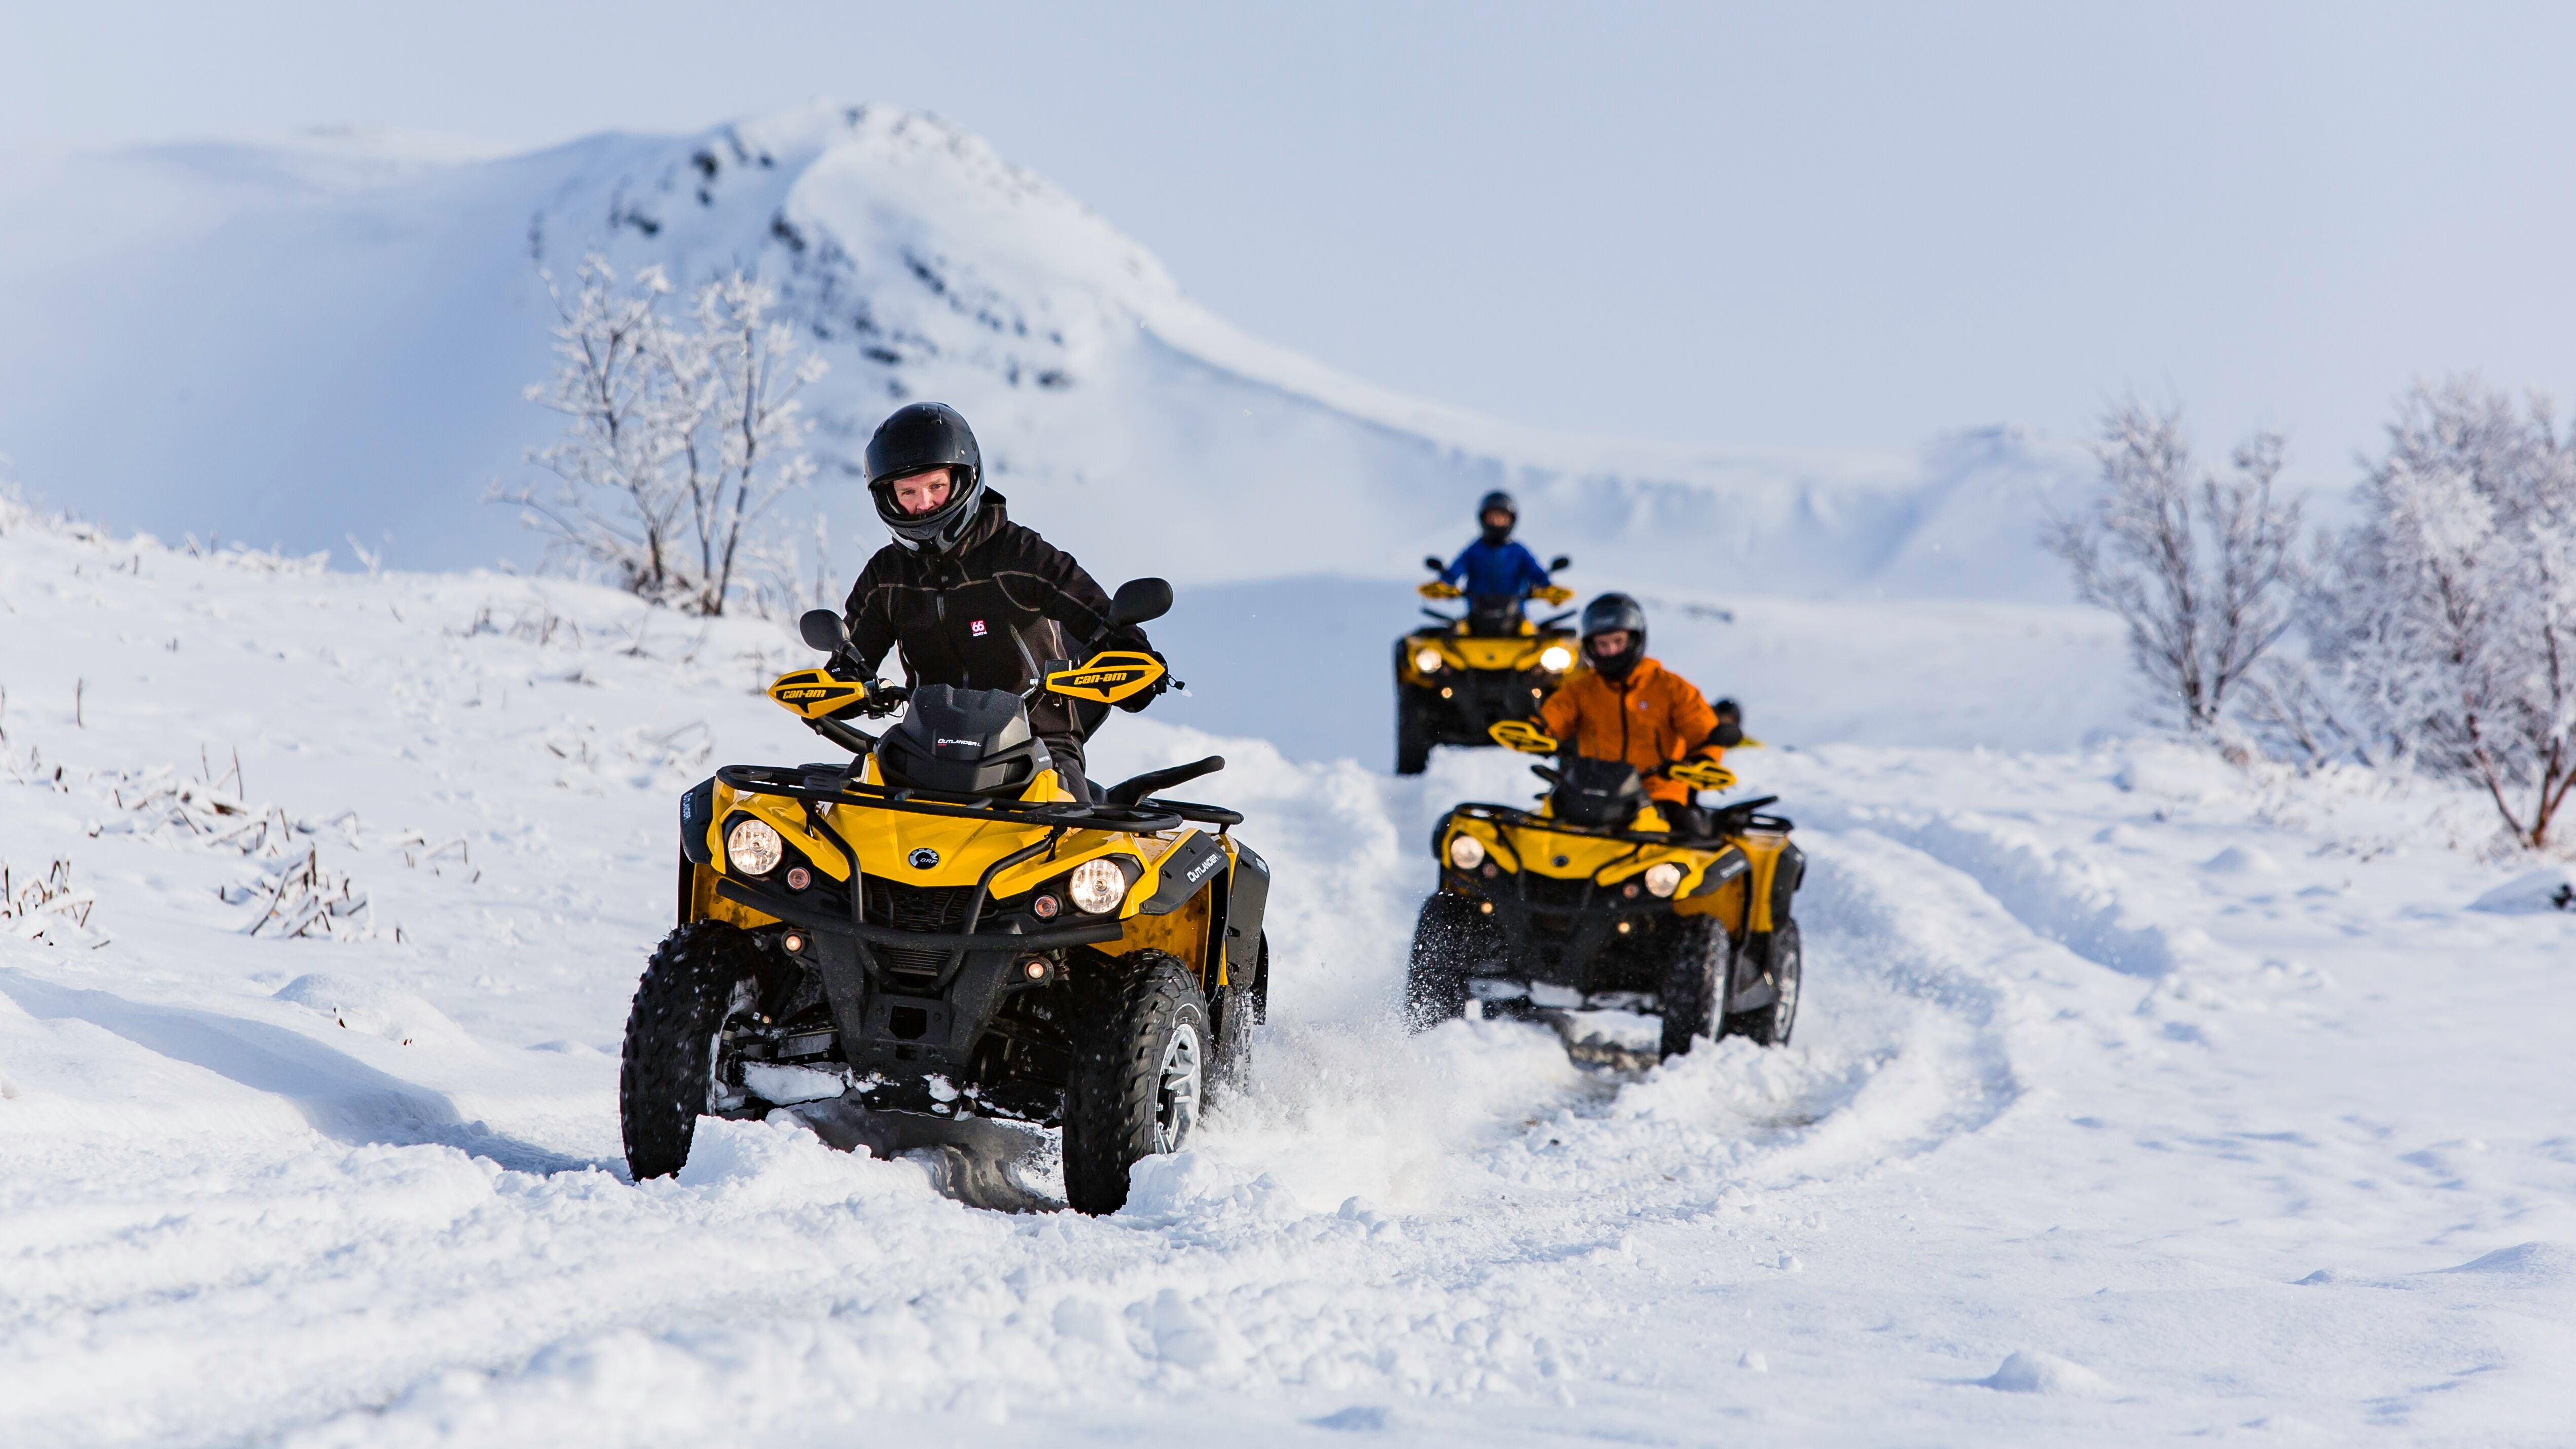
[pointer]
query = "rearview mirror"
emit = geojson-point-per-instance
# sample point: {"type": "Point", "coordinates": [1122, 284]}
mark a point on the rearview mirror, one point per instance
{"type": "Point", "coordinates": [1559, 562]}
{"type": "Point", "coordinates": [1433, 564]}
{"type": "Point", "coordinates": [822, 629]}
{"type": "Point", "coordinates": [1140, 600]}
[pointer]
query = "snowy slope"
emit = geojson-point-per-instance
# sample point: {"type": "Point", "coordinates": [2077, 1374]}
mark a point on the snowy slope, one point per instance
{"type": "Point", "coordinates": [2135, 1097]}
{"type": "Point", "coordinates": [295, 344]}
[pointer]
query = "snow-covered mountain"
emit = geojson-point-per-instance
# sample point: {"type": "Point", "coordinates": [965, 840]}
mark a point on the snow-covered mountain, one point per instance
{"type": "Point", "coordinates": [301, 343]}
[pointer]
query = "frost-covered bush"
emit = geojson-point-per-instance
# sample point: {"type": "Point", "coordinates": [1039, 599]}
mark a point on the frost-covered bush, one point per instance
{"type": "Point", "coordinates": [2198, 567]}
{"type": "Point", "coordinates": [2448, 614]}
{"type": "Point", "coordinates": [680, 434]}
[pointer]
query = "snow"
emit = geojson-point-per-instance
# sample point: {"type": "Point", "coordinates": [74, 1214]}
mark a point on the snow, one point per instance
{"type": "Point", "coordinates": [330, 337]}
{"type": "Point", "coordinates": [2136, 1094]}
{"type": "Point", "coordinates": [2552, 888]}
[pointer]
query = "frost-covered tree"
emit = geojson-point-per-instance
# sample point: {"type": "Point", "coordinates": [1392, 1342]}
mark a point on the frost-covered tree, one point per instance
{"type": "Point", "coordinates": [2199, 568]}
{"type": "Point", "coordinates": [613, 502]}
{"type": "Point", "coordinates": [2450, 613]}
{"type": "Point", "coordinates": [741, 370]}
{"type": "Point", "coordinates": [681, 434]}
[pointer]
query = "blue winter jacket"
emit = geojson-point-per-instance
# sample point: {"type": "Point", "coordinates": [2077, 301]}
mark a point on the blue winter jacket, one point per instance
{"type": "Point", "coordinates": [1488, 568]}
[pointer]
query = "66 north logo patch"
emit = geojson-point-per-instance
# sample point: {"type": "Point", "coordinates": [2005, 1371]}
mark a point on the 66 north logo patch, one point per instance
{"type": "Point", "coordinates": [975, 627]}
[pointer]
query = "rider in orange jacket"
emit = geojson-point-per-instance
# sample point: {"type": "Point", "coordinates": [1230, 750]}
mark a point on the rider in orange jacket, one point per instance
{"type": "Point", "coordinates": [1625, 706]}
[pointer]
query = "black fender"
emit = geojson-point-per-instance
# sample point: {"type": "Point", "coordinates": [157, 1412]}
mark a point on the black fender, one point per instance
{"type": "Point", "coordinates": [1183, 872]}
{"type": "Point", "coordinates": [696, 809]}
{"type": "Point", "coordinates": [1247, 901]}
{"type": "Point", "coordinates": [1786, 876]}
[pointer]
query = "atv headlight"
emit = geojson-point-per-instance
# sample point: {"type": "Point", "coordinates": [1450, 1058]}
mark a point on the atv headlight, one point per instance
{"type": "Point", "coordinates": [753, 848]}
{"type": "Point", "coordinates": [1466, 852]}
{"type": "Point", "coordinates": [1663, 877]}
{"type": "Point", "coordinates": [1427, 660]}
{"type": "Point", "coordinates": [1097, 886]}
{"type": "Point", "coordinates": [1555, 659]}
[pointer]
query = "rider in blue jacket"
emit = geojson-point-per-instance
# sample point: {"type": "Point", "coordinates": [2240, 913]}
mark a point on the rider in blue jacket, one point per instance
{"type": "Point", "coordinates": [1494, 565]}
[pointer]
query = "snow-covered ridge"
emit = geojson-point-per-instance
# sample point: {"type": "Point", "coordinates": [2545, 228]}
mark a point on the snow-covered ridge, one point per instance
{"type": "Point", "coordinates": [325, 338]}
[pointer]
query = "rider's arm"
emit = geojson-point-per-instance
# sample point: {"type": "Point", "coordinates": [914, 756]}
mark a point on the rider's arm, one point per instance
{"type": "Point", "coordinates": [1695, 725]}
{"type": "Point", "coordinates": [1563, 717]}
{"type": "Point", "coordinates": [870, 615]}
{"type": "Point", "coordinates": [1458, 566]}
{"type": "Point", "coordinates": [1532, 576]}
{"type": "Point", "coordinates": [1069, 595]}
{"type": "Point", "coordinates": [1064, 592]}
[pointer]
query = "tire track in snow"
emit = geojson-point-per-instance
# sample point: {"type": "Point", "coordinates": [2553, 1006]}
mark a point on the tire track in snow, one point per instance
{"type": "Point", "coordinates": [2074, 900]}
{"type": "Point", "coordinates": [1489, 1180]}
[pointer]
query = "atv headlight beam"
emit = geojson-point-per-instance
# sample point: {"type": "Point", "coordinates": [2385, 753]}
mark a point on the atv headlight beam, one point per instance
{"type": "Point", "coordinates": [1427, 660]}
{"type": "Point", "coordinates": [1466, 852]}
{"type": "Point", "coordinates": [1555, 659]}
{"type": "Point", "coordinates": [753, 847]}
{"type": "Point", "coordinates": [1663, 878]}
{"type": "Point", "coordinates": [1097, 886]}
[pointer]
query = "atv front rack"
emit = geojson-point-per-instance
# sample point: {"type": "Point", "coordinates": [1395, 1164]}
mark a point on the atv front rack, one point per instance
{"type": "Point", "coordinates": [1723, 823]}
{"type": "Point", "coordinates": [829, 787]}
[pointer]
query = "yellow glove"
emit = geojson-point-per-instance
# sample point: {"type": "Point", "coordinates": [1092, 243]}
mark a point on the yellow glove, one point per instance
{"type": "Point", "coordinates": [1701, 775]}
{"type": "Point", "coordinates": [1438, 590]}
{"type": "Point", "coordinates": [1553, 593]}
{"type": "Point", "coordinates": [1521, 735]}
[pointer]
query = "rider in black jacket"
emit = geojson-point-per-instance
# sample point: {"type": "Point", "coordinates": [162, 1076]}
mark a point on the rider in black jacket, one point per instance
{"type": "Point", "coordinates": [973, 599]}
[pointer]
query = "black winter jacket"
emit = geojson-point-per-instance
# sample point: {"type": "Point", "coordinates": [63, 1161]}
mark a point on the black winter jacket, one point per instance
{"type": "Point", "coordinates": [987, 615]}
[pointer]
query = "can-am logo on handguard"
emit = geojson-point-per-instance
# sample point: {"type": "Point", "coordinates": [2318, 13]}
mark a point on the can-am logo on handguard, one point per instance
{"type": "Point", "coordinates": [924, 858]}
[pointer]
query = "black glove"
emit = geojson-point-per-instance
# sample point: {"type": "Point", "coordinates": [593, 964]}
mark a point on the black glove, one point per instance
{"type": "Point", "coordinates": [1145, 696]}
{"type": "Point", "coordinates": [1730, 724]}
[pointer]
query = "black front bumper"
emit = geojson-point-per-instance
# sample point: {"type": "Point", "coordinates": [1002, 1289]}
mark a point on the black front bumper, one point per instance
{"type": "Point", "coordinates": [904, 1025]}
{"type": "Point", "coordinates": [1479, 699]}
{"type": "Point", "coordinates": [1568, 932]}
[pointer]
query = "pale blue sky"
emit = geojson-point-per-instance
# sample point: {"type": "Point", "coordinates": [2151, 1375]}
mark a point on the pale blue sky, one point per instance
{"type": "Point", "coordinates": [1720, 224]}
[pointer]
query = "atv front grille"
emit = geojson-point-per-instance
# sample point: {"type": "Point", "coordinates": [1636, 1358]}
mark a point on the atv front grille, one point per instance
{"type": "Point", "coordinates": [916, 908]}
{"type": "Point", "coordinates": [1549, 896]}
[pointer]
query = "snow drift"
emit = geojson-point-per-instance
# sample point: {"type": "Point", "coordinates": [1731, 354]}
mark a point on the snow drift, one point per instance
{"type": "Point", "coordinates": [361, 1187]}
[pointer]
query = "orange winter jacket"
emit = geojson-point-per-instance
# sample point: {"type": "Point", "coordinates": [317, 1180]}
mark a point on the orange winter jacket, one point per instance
{"type": "Point", "coordinates": [1650, 719]}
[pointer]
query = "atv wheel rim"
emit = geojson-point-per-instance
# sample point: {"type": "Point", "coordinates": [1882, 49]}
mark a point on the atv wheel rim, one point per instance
{"type": "Point", "coordinates": [1176, 1100]}
{"type": "Point", "coordinates": [723, 1095]}
{"type": "Point", "coordinates": [1784, 1012]}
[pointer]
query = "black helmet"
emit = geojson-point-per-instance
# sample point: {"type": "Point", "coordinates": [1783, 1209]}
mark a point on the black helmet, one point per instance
{"type": "Point", "coordinates": [1606, 614]}
{"type": "Point", "coordinates": [917, 437]}
{"type": "Point", "coordinates": [1497, 501]}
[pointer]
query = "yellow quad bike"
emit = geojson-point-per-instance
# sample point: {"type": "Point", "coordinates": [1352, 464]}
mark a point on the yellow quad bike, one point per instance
{"type": "Point", "coordinates": [936, 936]}
{"type": "Point", "coordinates": [1476, 668]}
{"type": "Point", "coordinates": [1597, 900]}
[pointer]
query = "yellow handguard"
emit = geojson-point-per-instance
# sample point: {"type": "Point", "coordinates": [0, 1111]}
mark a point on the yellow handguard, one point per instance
{"type": "Point", "coordinates": [1438, 590]}
{"type": "Point", "coordinates": [815, 694]}
{"type": "Point", "coordinates": [1553, 593]}
{"type": "Point", "coordinates": [1521, 735]}
{"type": "Point", "coordinates": [1701, 775]}
{"type": "Point", "coordinates": [1107, 677]}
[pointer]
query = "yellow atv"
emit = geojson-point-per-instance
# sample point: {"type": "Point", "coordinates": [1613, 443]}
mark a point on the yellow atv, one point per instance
{"type": "Point", "coordinates": [1601, 900]}
{"type": "Point", "coordinates": [937, 933]}
{"type": "Point", "coordinates": [1476, 668]}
